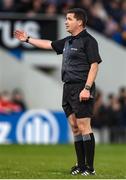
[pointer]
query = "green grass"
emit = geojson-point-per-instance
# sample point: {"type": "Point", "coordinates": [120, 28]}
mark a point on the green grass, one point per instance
{"type": "Point", "coordinates": [54, 161]}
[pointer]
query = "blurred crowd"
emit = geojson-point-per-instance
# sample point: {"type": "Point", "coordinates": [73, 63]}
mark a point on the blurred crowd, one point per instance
{"type": "Point", "coordinates": [111, 114]}
{"type": "Point", "coordinates": [12, 102]}
{"type": "Point", "coordinates": [105, 16]}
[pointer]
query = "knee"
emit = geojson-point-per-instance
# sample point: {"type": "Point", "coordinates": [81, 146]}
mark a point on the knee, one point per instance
{"type": "Point", "coordinates": [81, 127]}
{"type": "Point", "coordinates": [84, 127]}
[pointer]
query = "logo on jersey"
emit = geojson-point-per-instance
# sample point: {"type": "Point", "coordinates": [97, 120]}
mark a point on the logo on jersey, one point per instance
{"type": "Point", "coordinates": [74, 49]}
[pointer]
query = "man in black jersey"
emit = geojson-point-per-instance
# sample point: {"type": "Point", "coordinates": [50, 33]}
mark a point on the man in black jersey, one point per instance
{"type": "Point", "coordinates": [79, 70]}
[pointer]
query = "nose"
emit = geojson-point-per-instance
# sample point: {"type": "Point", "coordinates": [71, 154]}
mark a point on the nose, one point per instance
{"type": "Point", "coordinates": [66, 22]}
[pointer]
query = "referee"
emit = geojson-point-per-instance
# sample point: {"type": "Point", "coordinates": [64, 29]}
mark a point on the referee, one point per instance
{"type": "Point", "coordinates": [79, 69]}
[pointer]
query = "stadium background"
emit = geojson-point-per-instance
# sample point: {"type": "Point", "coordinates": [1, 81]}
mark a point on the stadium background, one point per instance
{"type": "Point", "coordinates": [31, 89]}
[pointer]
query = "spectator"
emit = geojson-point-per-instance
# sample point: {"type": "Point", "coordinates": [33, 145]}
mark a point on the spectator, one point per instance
{"type": "Point", "coordinates": [114, 10]}
{"type": "Point", "coordinates": [18, 99]}
{"type": "Point", "coordinates": [51, 10]}
{"type": "Point", "coordinates": [7, 6]}
{"type": "Point", "coordinates": [115, 117]}
{"type": "Point", "coordinates": [100, 116]}
{"type": "Point", "coordinates": [98, 15]}
{"type": "Point", "coordinates": [122, 96]}
{"type": "Point", "coordinates": [6, 105]}
{"type": "Point", "coordinates": [23, 6]}
{"type": "Point", "coordinates": [86, 4]}
{"type": "Point", "coordinates": [111, 27]}
{"type": "Point", "coordinates": [38, 6]}
{"type": "Point", "coordinates": [122, 100]}
{"type": "Point", "coordinates": [123, 26]}
{"type": "Point", "coordinates": [64, 5]}
{"type": "Point", "coordinates": [123, 6]}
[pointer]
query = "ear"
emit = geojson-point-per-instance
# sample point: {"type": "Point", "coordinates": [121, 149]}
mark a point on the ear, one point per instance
{"type": "Point", "coordinates": [80, 23]}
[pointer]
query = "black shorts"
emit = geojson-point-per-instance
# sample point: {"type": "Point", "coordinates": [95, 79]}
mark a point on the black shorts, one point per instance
{"type": "Point", "coordinates": [71, 103]}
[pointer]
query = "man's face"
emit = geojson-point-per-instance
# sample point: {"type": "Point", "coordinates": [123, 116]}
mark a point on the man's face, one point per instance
{"type": "Point", "coordinates": [71, 23]}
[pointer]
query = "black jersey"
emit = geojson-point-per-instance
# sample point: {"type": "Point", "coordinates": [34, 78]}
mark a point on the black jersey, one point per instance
{"type": "Point", "coordinates": [79, 52]}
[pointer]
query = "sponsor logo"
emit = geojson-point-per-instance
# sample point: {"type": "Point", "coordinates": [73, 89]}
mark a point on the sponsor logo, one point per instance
{"type": "Point", "coordinates": [74, 49]}
{"type": "Point", "coordinates": [5, 128]}
{"type": "Point", "coordinates": [7, 27]}
{"type": "Point", "coordinates": [37, 126]}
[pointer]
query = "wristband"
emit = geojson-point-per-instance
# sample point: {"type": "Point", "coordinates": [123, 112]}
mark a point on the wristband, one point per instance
{"type": "Point", "coordinates": [27, 39]}
{"type": "Point", "coordinates": [87, 87]}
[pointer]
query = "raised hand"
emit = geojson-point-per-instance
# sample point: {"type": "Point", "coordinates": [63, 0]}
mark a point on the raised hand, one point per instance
{"type": "Point", "coordinates": [20, 35]}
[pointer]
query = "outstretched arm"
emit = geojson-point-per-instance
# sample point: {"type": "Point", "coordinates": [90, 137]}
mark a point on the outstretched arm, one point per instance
{"type": "Point", "coordinates": [22, 36]}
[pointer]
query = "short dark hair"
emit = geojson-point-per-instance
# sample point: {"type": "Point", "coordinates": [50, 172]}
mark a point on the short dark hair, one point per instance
{"type": "Point", "coordinates": [80, 14]}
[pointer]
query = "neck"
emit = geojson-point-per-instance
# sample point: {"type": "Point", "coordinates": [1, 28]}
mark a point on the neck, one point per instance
{"type": "Point", "coordinates": [77, 31]}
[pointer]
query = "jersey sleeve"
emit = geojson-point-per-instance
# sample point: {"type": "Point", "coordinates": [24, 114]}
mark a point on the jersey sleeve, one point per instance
{"type": "Point", "coordinates": [92, 51]}
{"type": "Point", "coordinates": [58, 45]}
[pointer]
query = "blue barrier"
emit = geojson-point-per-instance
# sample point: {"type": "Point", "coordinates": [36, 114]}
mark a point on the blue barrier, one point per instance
{"type": "Point", "coordinates": [34, 127]}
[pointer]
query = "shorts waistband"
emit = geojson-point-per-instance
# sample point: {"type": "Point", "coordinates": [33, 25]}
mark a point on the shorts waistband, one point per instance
{"type": "Point", "coordinates": [81, 82]}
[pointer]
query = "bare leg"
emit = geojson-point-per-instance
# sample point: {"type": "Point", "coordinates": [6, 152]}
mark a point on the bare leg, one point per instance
{"type": "Point", "coordinates": [73, 123]}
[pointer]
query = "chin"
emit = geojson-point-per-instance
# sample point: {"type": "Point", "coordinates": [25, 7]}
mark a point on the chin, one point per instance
{"type": "Point", "coordinates": [68, 30]}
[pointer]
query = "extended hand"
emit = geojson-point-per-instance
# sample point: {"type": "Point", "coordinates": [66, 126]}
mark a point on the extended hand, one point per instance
{"type": "Point", "coordinates": [84, 95]}
{"type": "Point", "coordinates": [20, 35]}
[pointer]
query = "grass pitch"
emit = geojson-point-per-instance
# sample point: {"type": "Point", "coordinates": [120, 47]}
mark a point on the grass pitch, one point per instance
{"type": "Point", "coordinates": [55, 161]}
